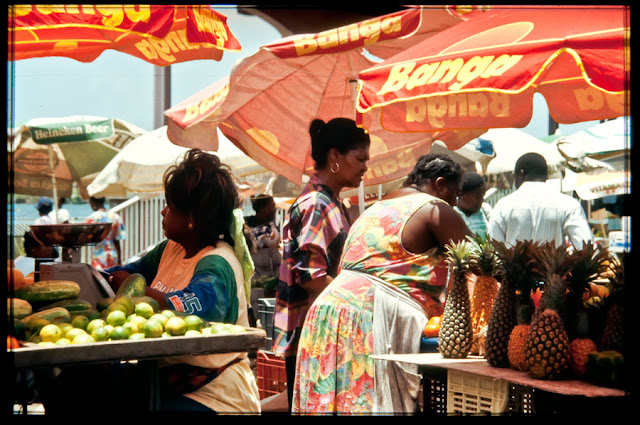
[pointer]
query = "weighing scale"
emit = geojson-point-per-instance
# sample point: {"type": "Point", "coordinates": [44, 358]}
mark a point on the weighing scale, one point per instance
{"type": "Point", "coordinates": [70, 238]}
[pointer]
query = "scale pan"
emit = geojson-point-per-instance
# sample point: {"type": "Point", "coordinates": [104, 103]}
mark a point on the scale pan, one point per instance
{"type": "Point", "coordinates": [71, 235]}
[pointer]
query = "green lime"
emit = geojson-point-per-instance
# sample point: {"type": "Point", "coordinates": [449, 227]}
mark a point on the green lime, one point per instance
{"type": "Point", "coordinates": [168, 313]}
{"type": "Point", "coordinates": [109, 328]}
{"type": "Point", "coordinates": [63, 341]}
{"type": "Point", "coordinates": [94, 324]}
{"type": "Point", "coordinates": [72, 333]}
{"type": "Point", "coordinates": [206, 331]}
{"type": "Point", "coordinates": [194, 323]}
{"type": "Point", "coordinates": [138, 320]}
{"type": "Point", "coordinates": [50, 333]}
{"type": "Point", "coordinates": [131, 327]}
{"type": "Point", "coordinates": [218, 327]}
{"type": "Point", "coordinates": [175, 326]}
{"type": "Point", "coordinates": [153, 328]}
{"type": "Point", "coordinates": [166, 335]}
{"type": "Point", "coordinates": [84, 338]}
{"type": "Point", "coordinates": [138, 335]}
{"type": "Point", "coordinates": [116, 318]}
{"type": "Point", "coordinates": [144, 309]}
{"type": "Point", "coordinates": [94, 314]}
{"type": "Point", "coordinates": [65, 327]}
{"type": "Point", "coordinates": [237, 329]}
{"type": "Point", "coordinates": [46, 343]}
{"type": "Point", "coordinates": [100, 334]}
{"type": "Point", "coordinates": [192, 332]}
{"type": "Point", "coordinates": [118, 333]}
{"type": "Point", "coordinates": [160, 318]}
{"type": "Point", "coordinates": [80, 321]}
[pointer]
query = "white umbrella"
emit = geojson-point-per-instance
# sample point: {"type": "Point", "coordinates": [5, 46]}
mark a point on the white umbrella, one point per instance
{"type": "Point", "coordinates": [139, 168]}
{"type": "Point", "coordinates": [606, 137]}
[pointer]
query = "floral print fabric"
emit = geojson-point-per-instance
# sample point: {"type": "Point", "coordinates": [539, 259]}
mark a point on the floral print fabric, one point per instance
{"type": "Point", "coordinates": [334, 372]}
{"type": "Point", "coordinates": [104, 253]}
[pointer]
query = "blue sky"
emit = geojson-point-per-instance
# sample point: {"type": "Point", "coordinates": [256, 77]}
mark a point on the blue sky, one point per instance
{"type": "Point", "coordinates": [121, 86]}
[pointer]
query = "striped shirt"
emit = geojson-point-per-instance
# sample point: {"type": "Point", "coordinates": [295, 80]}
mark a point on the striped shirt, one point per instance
{"type": "Point", "coordinates": [537, 212]}
{"type": "Point", "coordinates": [313, 236]}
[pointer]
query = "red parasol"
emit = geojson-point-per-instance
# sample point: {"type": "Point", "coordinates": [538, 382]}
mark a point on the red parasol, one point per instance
{"type": "Point", "coordinates": [267, 103]}
{"type": "Point", "coordinates": [484, 72]}
{"type": "Point", "coordinates": [159, 34]}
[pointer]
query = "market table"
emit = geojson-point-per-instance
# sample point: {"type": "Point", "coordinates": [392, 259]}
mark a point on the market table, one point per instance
{"type": "Point", "coordinates": [146, 351]}
{"type": "Point", "coordinates": [434, 365]}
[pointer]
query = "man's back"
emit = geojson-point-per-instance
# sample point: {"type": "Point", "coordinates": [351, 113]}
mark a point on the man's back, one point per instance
{"type": "Point", "coordinates": [537, 212]}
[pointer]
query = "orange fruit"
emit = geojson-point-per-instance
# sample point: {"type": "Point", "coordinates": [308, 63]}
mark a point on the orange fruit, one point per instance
{"type": "Point", "coordinates": [12, 342]}
{"type": "Point", "coordinates": [432, 329]}
{"type": "Point", "coordinates": [16, 276]}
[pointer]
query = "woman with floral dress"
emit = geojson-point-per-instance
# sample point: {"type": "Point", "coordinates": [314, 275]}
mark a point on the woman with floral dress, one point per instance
{"type": "Point", "coordinates": [107, 253]}
{"type": "Point", "coordinates": [315, 229]}
{"type": "Point", "coordinates": [392, 278]}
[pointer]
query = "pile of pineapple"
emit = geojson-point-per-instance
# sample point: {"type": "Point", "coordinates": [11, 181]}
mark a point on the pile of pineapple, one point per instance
{"type": "Point", "coordinates": [574, 323]}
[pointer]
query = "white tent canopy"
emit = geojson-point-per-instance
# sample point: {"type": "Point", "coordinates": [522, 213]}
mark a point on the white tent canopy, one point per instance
{"type": "Point", "coordinates": [609, 136]}
{"type": "Point", "coordinates": [139, 168]}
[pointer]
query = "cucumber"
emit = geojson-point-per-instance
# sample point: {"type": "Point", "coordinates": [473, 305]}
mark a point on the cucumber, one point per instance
{"type": "Point", "coordinates": [51, 314]}
{"type": "Point", "coordinates": [19, 307]}
{"type": "Point", "coordinates": [133, 286]}
{"type": "Point", "coordinates": [48, 291]}
{"type": "Point", "coordinates": [74, 306]}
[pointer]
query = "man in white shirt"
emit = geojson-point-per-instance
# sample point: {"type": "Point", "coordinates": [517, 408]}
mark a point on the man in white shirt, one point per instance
{"type": "Point", "coordinates": [537, 212]}
{"type": "Point", "coordinates": [44, 207]}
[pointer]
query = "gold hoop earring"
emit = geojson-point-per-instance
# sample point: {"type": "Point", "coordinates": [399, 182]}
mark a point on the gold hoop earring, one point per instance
{"type": "Point", "coordinates": [337, 167]}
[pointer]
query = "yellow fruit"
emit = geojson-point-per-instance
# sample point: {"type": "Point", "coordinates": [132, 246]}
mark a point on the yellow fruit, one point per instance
{"type": "Point", "coordinates": [94, 324]}
{"type": "Point", "coordinates": [46, 343]}
{"type": "Point", "coordinates": [126, 302]}
{"type": "Point", "coordinates": [144, 309]}
{"type": "Point", "coordinates": [64, 327]}
{"type": "Point", "coordinates": [153, 328]}
{"type": "Point", "coordinates": [118, 333]}
{"type": "Point", "coordinates": [83, 338]}
{"type": "Point", "coordinates": [72, 333]}
{"type": "Point", "coordinates": [50, 333]}
{"type": "Point", "coordinates": [80, 321]}
{"type": "Point", "coordinates": [168, 313]}
{"type": "Point", "coordinates": [116, 318]}
{"type": "Point", "coordinates": [194, 323]}
{"type": "Point", "coordinates": [138, 320]}
{"type": "Point", "coordinates": [160, 318]}
{"type": "Point", "coordinates": [109, 328]}
{"type": "Point", "coordinates": [192, 332]}
{"type": "Point", "coordinates": [63, 341]}
{"type": "Point", "coordinates": [175, 326]}
{"type": "Point", "coordinates": [138, 335]}
{"type": "Point", "coordinates": [131, 327]}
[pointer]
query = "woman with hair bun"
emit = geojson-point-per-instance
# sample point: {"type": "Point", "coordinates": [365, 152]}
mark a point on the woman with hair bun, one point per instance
{"type": "Point", "coordinates": [315, 229]}
{"type": "Point", "coordinates": [203, 268]}
{"type": "Point", "coordinates": [392, 279]}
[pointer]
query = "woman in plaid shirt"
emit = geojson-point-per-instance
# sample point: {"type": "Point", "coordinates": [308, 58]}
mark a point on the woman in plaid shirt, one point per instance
{"type": "Point", "coordinates": [315, 229]}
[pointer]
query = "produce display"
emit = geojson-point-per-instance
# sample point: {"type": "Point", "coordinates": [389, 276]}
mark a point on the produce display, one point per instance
{"type": "Point", "coordinates": [551, 312]}
{"type": "Point", "coordinates": [49, 313]}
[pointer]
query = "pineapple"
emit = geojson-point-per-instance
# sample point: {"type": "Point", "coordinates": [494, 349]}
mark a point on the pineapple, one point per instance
{"type": "Point", "coordinates": [613, 334]}
{"type": "Point", "coordinates": [524, 310]}
{"type": "Point", "coordinates": [589, 264]}
{"type": "Point", "coordinates": [455, 337]}
{"type": "Point", "coordinates": [547, 348]}
{"type": "Point", "coordinates": [484, 264]}
{"type": "Point", "coordinates": [514, 264]}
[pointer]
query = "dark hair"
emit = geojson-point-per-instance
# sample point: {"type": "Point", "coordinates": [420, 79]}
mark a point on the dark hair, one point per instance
{"type": "Point", "coordinates": [432, 166]}
{"type": "Point", "coordinates": [339, 133]}
{"type": "Point", "coordinates": [204, 188]}
{"type": "Point", "coordinates": [97, 201]}
{"type": "Point", "coordinates": [533, 165]}
{"type": "Point", "coordinates": [472, 181]}
{"type": "Point", "coordinates": [259, 201]}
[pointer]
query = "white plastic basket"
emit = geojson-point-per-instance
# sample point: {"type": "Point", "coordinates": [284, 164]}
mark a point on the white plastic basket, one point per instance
{"type": "Point", "coordinates": [470, 393]}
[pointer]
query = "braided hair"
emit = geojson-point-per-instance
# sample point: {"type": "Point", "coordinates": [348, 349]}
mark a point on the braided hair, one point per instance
{"type": "Point", "coordinates": [432, 166]}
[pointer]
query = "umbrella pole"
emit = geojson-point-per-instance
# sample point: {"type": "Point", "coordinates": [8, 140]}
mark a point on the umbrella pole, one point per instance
{"type": "Point", "coordinates": [53, 183]}
{"type": "Point", "coordinates": [353, 83]}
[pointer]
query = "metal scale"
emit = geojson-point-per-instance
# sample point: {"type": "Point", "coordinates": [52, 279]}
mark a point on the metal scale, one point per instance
{"type": "Point", "coordinates": [70, 238]}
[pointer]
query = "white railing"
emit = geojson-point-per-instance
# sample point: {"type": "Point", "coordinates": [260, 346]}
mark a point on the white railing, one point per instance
{"type": "Point", "coordinates": [142, 220]}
